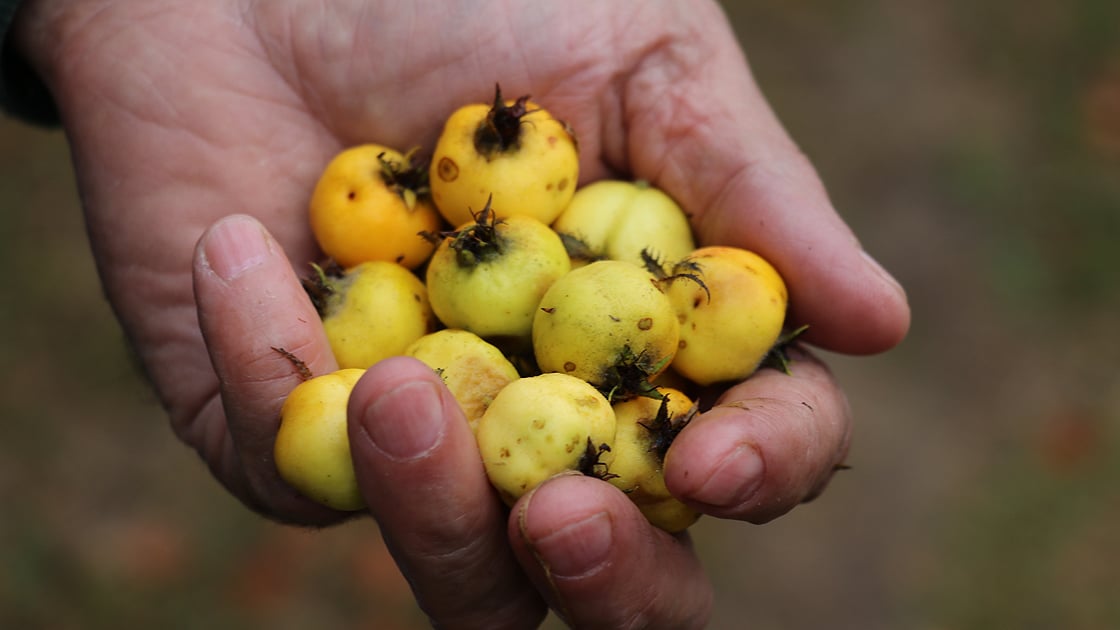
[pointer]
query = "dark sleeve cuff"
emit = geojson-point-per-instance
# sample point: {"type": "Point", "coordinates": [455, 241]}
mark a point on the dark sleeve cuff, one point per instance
{"type": "Point", "coordinates": [22, 94]}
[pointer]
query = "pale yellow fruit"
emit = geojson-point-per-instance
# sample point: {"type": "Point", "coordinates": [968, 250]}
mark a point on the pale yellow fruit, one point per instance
{"type": "Point", "coordinates": [374, 312]}
{"type": "Point", "coordinates": [618, 220]}
{"type": "Point", "coordinates": [514, 153]}
{"type": "Point", "coordinates": [541, 426]}
{"type": "Point", "coordinates": [312, 450]}
{"type": "Point", "coordinates": [727, 329]}
{"type": "Point", "coordinates": [490, 278]}
{"type": "Point", "coordinates": [670, 515]}
{"type": "Point", "coordinates": [644, 433]}
{"type": "Point", "coordinates": [473, 369]}
{"type": "Point", "coordinates": [640, 443]}
{"type": "Point", "coordinates": [606, 323]}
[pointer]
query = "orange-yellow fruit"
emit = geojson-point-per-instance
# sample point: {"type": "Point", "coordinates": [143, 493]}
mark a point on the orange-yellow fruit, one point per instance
{"type": "Point", "coordinates": [370, 203]}
{"type": "Point", "coordinates": [729, 323]}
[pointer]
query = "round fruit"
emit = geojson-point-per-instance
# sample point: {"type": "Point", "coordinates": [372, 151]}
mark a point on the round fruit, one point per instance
{"type": "Point", "coordinates": [371, 203]}
{"type": "Point", "coordinates": [618, 220]}
{"type": "Point", "coordinates": [607, 323]}
{"type": "Point", "coordinates": [371, 311]}
{"type": "Point", "coordinates": [312, 450]}
{"type": "Point", "coordinates": [541, 426]}
{"type": "Point", "coordinates": [490, 275]}
{"type": "Point", "coordinates": [473, 370]}
{"type": "Point", "coordinates": [670, 514]}
{"type": "Point", "coordinates": [514, 152]}
{"type": "Point", "coordinates": [646, 427]}
{"type": "Point", "coordinates": [731, 319]}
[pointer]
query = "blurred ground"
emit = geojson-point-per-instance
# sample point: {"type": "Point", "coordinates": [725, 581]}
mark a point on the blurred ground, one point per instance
{"type": "Point", "coordinates": [975, 148]}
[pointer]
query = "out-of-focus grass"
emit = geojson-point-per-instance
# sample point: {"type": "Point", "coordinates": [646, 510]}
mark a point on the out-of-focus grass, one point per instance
{"type": "Point", "coordinates": [1034, 546]}
{"type": "Point", "coordinates": [975, 149]}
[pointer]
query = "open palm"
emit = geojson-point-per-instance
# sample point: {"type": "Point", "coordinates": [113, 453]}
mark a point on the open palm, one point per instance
{"type": "Point", "coordinates": [187, 119]}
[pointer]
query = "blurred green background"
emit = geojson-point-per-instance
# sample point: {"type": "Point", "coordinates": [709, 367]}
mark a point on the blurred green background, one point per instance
{"type": "Point", "coordinates": [974, 147]}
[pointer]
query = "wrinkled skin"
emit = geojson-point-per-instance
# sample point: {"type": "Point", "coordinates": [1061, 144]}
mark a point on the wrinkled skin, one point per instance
{"type": "Point", "coordinates": [181, 114]}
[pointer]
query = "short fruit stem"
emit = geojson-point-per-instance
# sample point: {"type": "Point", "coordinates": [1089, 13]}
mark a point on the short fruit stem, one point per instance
{"type": "Point", "coordinates": [408, 179]}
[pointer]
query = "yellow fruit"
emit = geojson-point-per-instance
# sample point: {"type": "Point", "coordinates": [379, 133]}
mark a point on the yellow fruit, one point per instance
{"type": "Point", "coordinates": [645, 429]}
{"type": "Point", "coordinates": [540, 426]}
{"type": "Point", "coordinates": [732, 320]}
{"type": "Point", "coordinates": [371, 203]}
{"type": "Point", "coordinates": [312, 450]}
{"type": "Point", "coordinates": [670, 515]}
{"type": "Point", "coordinates": [489, 277]}
{"type": "Point", "coordinates": [607, 323]}
{"type": "Point", "coordinates": [473, 370]}
{"type": "Point", "coordinates": [371, 311]}
{"type": "Point", "coordinates": [513, 152]}
{"type": "Point", "coordinates": [618, 220]}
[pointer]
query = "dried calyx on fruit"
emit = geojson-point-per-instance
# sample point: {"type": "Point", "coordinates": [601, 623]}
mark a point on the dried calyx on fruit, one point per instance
{"type": "Point", "coordinates": [629, 376]}
{"type": "Point", "coordinates": [408, 178]}
{"type": "Point", "coordinates": [684, 269]}
{"type": "Point", "coordinates": [664, 428]}
{"type": "Point", "coordinates": [323, 284]}
{"type": "Point", "coordinates": [474, 243]}
{"type": "Point", "coordinates": [500, 131]}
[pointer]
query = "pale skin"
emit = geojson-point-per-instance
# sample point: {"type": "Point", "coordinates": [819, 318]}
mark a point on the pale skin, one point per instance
{"type": "Point", "coordinates": [198, 130]}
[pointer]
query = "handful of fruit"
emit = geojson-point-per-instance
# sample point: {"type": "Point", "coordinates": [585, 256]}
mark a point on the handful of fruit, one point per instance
{"type": "Point", "coordinates": [573, 326]}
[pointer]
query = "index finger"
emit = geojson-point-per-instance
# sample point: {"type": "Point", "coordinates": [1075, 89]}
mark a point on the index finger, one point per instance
{"type": "Point", "coordinates": [255, 318]}
{"type": "Point", "coordinates": [769, 443]}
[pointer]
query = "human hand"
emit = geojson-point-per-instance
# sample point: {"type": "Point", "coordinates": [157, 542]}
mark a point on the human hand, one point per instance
{"type": "Point", "coordinates": [180, 114]}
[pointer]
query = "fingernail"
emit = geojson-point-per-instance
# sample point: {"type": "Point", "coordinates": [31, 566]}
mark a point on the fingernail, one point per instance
{"type": "Point", "coordinates": [235, 246]}
{"type": "Point", "coordinates": [880, 271]}
{"type": "Point", "coordinates": [577, 549]}
{"type": "Point", "coordinates": [406, 422]}
{"type": "Point", "coordinates": [734, 479]}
